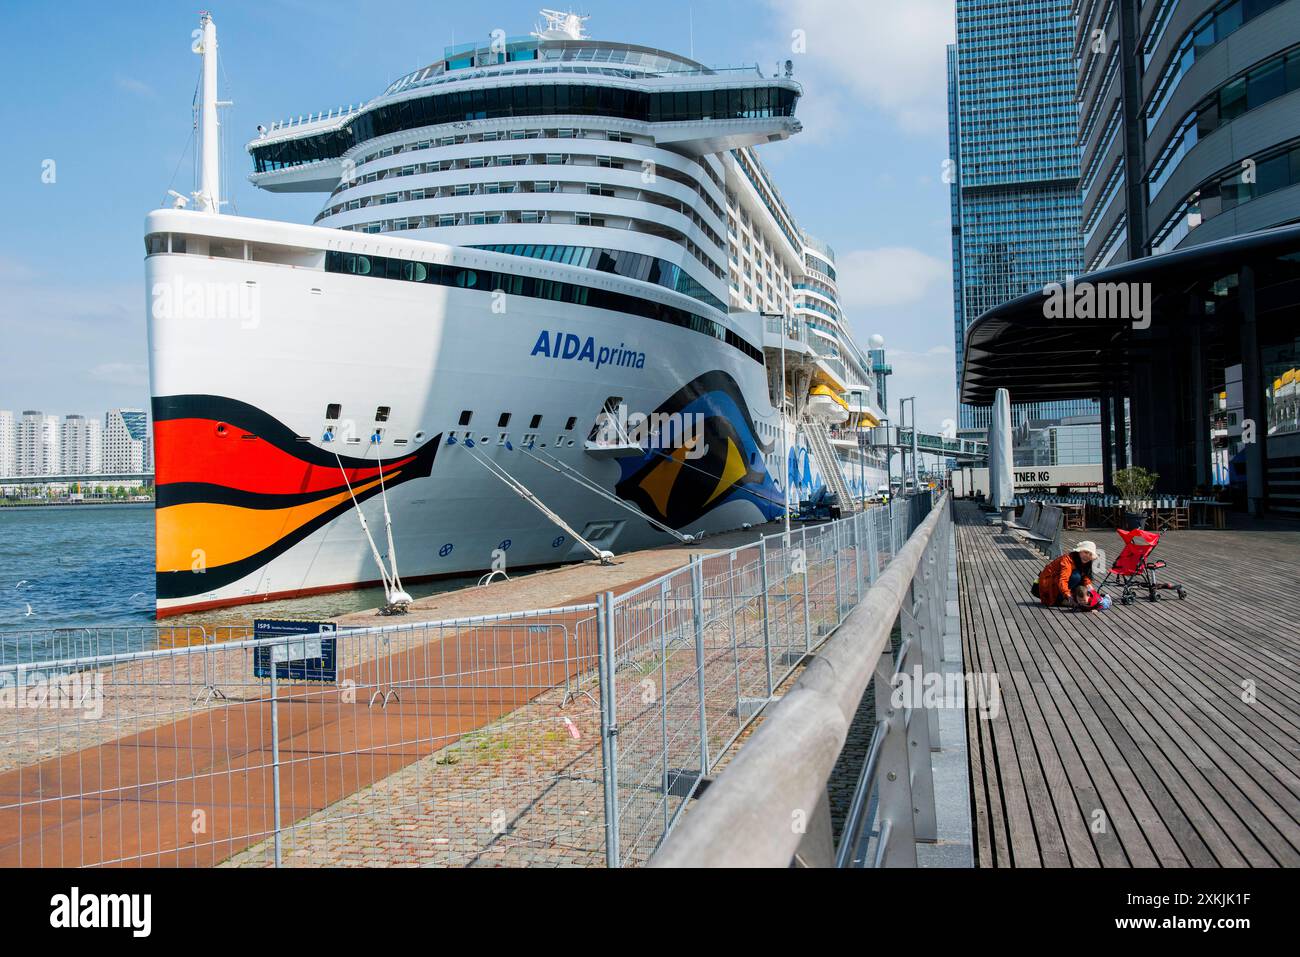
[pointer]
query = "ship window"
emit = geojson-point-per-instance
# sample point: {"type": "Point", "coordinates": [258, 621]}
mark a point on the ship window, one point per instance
{"type": "Point", "coordinates": [535, 422]}
{"type": "Point", "coordinates": [504, 420]}
{"type": "Point", "coordinates": [332, 411]}
{"type": "Point", "coordinates": [572, 421]}
{"type": "Point", "coordinates": [465, 416]}
{"type": "Point", "coordinates": [381, 413]}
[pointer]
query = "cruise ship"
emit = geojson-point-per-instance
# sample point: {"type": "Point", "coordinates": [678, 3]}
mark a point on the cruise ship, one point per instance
{"type": "Point", "coordinates": [553, 308]}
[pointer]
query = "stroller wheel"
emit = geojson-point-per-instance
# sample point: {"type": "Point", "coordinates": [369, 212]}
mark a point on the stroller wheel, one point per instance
{"type": "Point", "coordinates": [1127, 598]}
{"type": "Point", "coordinates": [1152, 596]}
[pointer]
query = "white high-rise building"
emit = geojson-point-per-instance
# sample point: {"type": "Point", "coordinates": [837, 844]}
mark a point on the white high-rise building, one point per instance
{"type": "Point", "coordinates": [125, 432]}
{"type": "Point", "coordinates": [81, 440]}
{"type": "Point", "coordinates": [8, 456]}
{"type": "Point", "coordinates": [36, 444]}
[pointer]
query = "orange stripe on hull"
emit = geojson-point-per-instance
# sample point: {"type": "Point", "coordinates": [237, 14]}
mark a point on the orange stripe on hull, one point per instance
{"type": "Point", "coordinates": [205, 535]}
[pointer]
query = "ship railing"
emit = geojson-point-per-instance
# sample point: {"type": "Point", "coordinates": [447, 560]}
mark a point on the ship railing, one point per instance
{"type": "Point", "coordinates": [303, 120]}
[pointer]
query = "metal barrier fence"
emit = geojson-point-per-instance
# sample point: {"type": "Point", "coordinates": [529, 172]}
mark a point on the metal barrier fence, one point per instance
{"type": "Point", "coordinates": [460, 742]}
{"type": "Point", "coordinates": [572, 735]}
{"type": "Point", "coordinates": [770, 806]}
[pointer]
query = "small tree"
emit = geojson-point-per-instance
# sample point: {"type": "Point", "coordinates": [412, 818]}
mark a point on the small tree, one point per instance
{"type": "Point", "coordinates": [1136, 484]}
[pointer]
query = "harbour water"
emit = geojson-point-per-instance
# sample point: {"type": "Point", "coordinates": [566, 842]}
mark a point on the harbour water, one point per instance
{"type": "Point", "coordinates": [84, 566]}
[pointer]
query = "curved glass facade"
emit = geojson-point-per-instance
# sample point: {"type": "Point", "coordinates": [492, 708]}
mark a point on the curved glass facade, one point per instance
{"type": "Point", "coordinates": [1261, 84]}
{"type": "Point", "coordinates": [1277, 169]}
{"type": "Point", "coordinates": [1224, 20]}
{"type": "Point", "coordinates": [524, 101]}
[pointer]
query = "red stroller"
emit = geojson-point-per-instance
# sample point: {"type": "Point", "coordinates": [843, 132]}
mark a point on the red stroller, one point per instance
{"type": "Point", "coordinates": [1133, 569]}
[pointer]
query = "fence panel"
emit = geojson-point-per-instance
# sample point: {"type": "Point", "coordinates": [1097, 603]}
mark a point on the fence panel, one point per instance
{"type": "Point", "coordinates": [461, 743]}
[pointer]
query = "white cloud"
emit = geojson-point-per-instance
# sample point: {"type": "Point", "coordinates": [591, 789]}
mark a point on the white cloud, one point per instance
{"type": "Point", "coordinates": [930, 376]}
{"type": "Point", "coordinates": [70, 343]}
{"type": "Point", "coordinates": [887, 276]}
{"type": "Point", "coordinates": [888, 54]}
{"type": "Point", "coordinates": [13, 271]}
{"type": "Point", "coordinates": [137, 87]}
{"type": "Point", "coordinates": [121, 373]}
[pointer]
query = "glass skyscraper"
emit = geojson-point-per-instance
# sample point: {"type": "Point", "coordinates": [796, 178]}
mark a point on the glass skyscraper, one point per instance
{"type": "Point", "coordinates": [1014, 169]}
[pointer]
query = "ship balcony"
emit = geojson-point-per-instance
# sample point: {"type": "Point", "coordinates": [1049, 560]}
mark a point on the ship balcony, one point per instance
{"type": "Point", "coordinates": [794, 339]}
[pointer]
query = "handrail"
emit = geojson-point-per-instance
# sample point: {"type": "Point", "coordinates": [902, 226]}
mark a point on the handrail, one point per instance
{"type": "Point", "coordinates": [745, 817]}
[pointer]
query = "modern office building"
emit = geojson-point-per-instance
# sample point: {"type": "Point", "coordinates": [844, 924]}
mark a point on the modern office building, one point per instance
{"type": "Point", "coordinates": [125, 434]}
{"type": "Point", "coordinates": [80, 439]}
{"type": "Point", "coordinates": [1189, 122]}
{"type": "Point", "coordinates": [8, 456]}
{"type": "Point", "coordinates": [1013, 126]}
{"type": "Point", "coordinates": [37, 448]}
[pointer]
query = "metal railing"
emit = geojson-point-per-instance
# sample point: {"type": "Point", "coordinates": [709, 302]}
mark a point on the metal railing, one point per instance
{"type": "Point", "coordinates": [770, 806]}
{"type": "Point", "coordinates": [574, 735]}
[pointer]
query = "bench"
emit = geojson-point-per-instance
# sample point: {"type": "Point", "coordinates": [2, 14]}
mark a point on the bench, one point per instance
{"type": "Point", "coordinates": [1027, 518]}
{"type": "Point", "coordinates": [1046, 531]}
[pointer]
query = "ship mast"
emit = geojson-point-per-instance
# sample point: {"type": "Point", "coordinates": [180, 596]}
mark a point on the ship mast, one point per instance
{"type": "Point", "coordinates": [209, 195]}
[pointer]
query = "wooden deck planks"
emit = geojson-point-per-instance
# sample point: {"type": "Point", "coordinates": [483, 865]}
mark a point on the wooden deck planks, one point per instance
{"type": "Point", "coordinates": [1125, 737]}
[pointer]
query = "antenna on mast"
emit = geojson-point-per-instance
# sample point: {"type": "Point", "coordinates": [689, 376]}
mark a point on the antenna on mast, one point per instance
{"type": "Point", "coordinates": [208, 196]}
{"type": "Point", "coordinates": [562, 25]}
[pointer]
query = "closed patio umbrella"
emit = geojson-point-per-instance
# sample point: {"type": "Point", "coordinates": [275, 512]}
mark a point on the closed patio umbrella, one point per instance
{"type": "Point", "coordinates": [1000, 484]}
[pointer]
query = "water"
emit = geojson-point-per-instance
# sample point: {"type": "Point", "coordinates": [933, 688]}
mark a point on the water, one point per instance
{"type": "Point", "coordinates": [81, 566]}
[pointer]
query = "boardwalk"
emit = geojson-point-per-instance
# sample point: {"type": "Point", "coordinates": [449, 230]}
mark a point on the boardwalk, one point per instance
{"type": "Point", "coordinates": [1163, 734]}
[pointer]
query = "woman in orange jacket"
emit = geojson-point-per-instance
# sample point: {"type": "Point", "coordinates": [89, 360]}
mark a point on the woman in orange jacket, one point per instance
{"type": "Point", "coordinates": [1062, 575]}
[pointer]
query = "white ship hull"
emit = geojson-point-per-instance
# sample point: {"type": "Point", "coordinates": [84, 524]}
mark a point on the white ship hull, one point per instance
{"type": "Point", "coordinates": [252, 504]}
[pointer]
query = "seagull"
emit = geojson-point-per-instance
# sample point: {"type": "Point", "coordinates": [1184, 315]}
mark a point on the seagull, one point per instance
{"type": "Point", "coordinates": [29, 610]}
{"type": "Point", "coordinates": [21, 583]}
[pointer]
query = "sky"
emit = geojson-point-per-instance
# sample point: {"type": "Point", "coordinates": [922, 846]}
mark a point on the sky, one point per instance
{"type": "Point", "coordinates": [98, 126]}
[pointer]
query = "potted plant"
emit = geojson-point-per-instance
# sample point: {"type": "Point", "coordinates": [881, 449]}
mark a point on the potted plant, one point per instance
{"type": "Point", "coordinates": [1135, 487]}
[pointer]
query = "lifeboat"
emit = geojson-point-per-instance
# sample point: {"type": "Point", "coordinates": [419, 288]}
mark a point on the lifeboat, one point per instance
{"type": "Point", "coordinates": [827, 405]}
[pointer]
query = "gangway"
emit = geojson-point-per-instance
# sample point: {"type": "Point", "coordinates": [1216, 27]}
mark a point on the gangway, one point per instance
{"type": "Point", "coordinates": [830, 464]}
